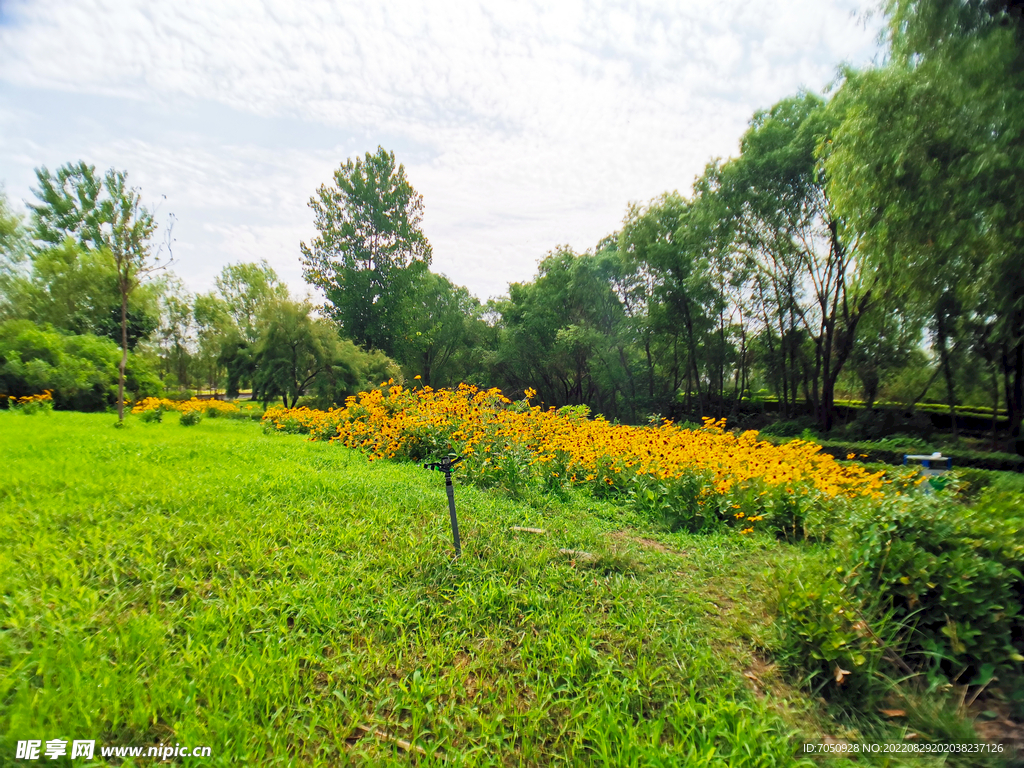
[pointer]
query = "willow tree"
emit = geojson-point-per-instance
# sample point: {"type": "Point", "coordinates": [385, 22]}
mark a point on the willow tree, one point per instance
{"type": "Point", "coordinates": [803, 253]}
{"type": "Point", "coordinates": [928, 163]}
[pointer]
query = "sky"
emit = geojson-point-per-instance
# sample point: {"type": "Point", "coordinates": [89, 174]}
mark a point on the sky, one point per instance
{"type": "Point", "coordinates": [524, 125]}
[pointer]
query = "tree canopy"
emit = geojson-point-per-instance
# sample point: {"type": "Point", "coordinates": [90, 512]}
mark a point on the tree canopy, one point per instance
{"type": "Point", "coordinates": [369, 248]}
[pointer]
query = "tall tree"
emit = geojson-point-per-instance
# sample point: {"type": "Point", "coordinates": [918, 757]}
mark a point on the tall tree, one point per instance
{"type": "Point", "coordinates": [215, 329]}
{"type": "Point", "coordinates": [928, 163]}
{"type": "Point", "coordinates": [13, 255]}
{"type": "Point", "coordinates": [787, 224]}
{"type": "Point", "coordinates": [103, 214]}
{"type": "Point", "coordinates": [557, 334]}
{"type": "Point", "coordinates": [439, 315]}
{"type": "Point", "coordinates": [294, 350]}
{"type": "Point", "coordinates": [369, 248]}
{"type": "Point", "coordinates": [673, 285]}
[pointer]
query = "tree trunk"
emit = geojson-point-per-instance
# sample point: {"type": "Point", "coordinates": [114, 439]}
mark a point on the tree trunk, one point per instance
{"type": "Point", "coordinates": [947, 370]}
{"type": "Point", "coordinates": [995, 403]}
{"type": "Point", "coordinates": [124, 355]}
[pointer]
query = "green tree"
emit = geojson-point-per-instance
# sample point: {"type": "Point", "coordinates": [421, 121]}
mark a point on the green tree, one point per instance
{"type": "Point", "coordinates": [215, 328]}
{"type": "Point", "coordinates": [927, 164]}
{"type": "Point", "coordinates": [246, 289]}
{"type": "Point", "coordinates": [439, 315]}
{"type": "Point", "coordinates": [105, 215]}
{"type": "Point", "coordinates": [13, 256]}
{"type": "Point", "coordinates": [368, 250]}
{"type": "Point", "coordinates": [176, 331]}
{"type": "Point", "coordinates": [557, 334]}
{"type": "Point", "coordinates": [293, 351]}
{"type": "Point", "coordinates": [806, 260]}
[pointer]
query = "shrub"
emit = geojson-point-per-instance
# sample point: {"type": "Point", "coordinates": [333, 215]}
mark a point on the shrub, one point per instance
{"type": "Point", "coordinates": [793, 428]}
{"type": "Point", "coordinates": [824, 638]}
{"type": "Point", "coordinates": [191, 418]}
{"type": "Point", "coordinates": [951, 572]}
{"type": "Point", "coordinates": [154, 416]}
{"type": "Point", "coordinates": [680, 503]}
{"type": "Point", "coordinates": [80, 371]}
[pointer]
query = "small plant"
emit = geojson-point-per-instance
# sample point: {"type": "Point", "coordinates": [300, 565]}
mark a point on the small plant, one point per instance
{"type": "Point", "coordinates": [952, 571]}
{"type": "Point", "coordinates": [824, 637]}
{"type": "Point", "coordinates": [191, 418]}
{"type": "Point", "coordinates": [154, 416]}
{"type": "Point", "coordinates": [32, 404]}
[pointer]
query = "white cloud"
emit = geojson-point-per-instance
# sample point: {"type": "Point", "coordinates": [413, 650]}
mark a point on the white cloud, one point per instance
{"type": "Point", "coordinates": [524, 125]}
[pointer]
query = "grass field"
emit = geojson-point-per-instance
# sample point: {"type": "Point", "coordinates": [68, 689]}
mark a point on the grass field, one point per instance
{"type": "Point", "coordinates": [273, 599]}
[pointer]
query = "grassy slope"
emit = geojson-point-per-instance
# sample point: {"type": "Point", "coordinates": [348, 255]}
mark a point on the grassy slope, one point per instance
{"type": "Point", "coordinates": [264, 595]}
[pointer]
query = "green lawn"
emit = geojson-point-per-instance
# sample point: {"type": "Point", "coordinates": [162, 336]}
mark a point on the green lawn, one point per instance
{"type": "Point", "coordinates": [265, 596]}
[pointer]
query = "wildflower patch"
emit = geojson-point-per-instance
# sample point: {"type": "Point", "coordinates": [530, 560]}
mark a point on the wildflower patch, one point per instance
{"type": "Point", "coordinates": [693, 479]}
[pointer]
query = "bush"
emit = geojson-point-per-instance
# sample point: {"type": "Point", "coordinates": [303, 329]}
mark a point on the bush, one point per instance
{"type": "Point", "coordinates": [191, 418]}
{"type": "Point", "coordinates": [352, 371]}
{"type": "Point", "coordinates": [81, 371]}
{"type": "Point", "coordinates": [154, 416]}
{"type": "Point", "coordinates": [953, 573]}
{"type": "Point", "coordinates": [824, 638]}
{"type": "Point", "coordinates": [679, 503]}
{"type": "Point", "coordinates": [891, 451]}
{"type": "Point", "coordinates": [792, 428]}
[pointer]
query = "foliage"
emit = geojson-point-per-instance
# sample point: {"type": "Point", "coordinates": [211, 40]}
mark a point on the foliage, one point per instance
{"type": "Point", "coordinates": [80, 371]}
{"type": "Point", "coordinates": [294, 350]}
{"type": "Point", "coordinates": [951, 573]}
{"type": "Point", "coordinates": [297, 353]}
{"type": "Point", "coordinates": [191, 418]}
{"type": "Point", "coordinates": [369, 249]}
{"type": "Point", "coordinates": [926, 164]}
{"type": "Point", "coordinates": [104, 215]}
{"type": "Point", "coordinates": [806, 268]}
{"type": "Point", "coordinates": [74, 289]}
{"type": "Point", "coordinates": [247, 290]}
{"type": "Point", "coordinates": [559, 333]}
{"type": "Point", "coordinates": [824, 639]}
{"type": "Point", "coordinates": [152, 415]}
{"type": "Point", "coordinates": [439, 331]}
{"type": "Point", "coordinates": [14, 248]}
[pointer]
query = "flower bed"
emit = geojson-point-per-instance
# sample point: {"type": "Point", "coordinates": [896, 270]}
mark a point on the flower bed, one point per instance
{"type": "Point", "coordinates": [692, 478]}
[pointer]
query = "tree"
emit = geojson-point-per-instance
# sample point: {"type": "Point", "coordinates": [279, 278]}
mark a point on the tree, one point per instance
{"type": "Point", "coordinates": [369, 248]}
{"type": "Point", "coordinates": [176, 331]}
{"type": "Point", "coordinates": [297, 353]}
{"type": "Point", "coordinates": [928, 163]}
{"type": "Point", "coordinates": [806, 256]}
{"type": "Point", "coordinates": [557, 333]}
{"type": "Point", "coordinates": [104, 215]}
{"type": "Point", "coordinates": [13, 255]}
{"type": "Point", "coordinates": [439, 314]}
{"type": "Point", "coordinates": [246, 289]}
{"type": "Point", "coordinates": [215, 328]}
{"type": "Point", "coordinates": [672, 287]}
